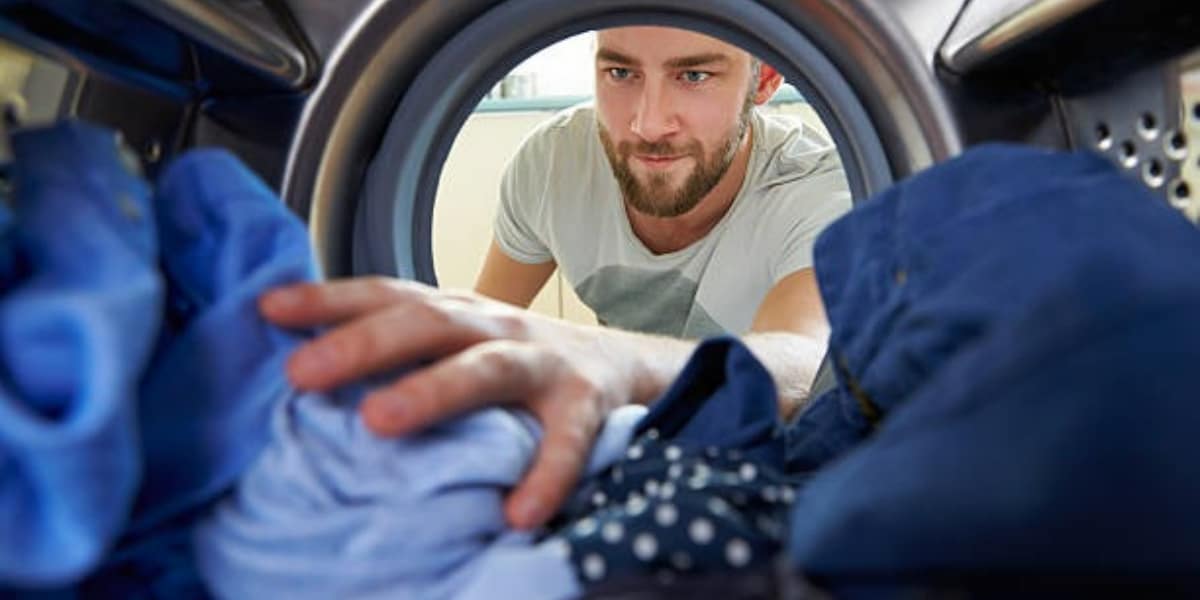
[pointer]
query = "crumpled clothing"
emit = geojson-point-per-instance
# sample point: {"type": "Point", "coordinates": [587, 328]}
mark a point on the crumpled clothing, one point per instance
{"type": "Point", "coordinates": [701, 489]}
{"type": "Point", "coordinates": [206, 398]}
{"type": "Point", "coordinates": [77, 327]}
{"type": "Point", "coordinates": [1018, 328]}
{"type": "Point", "coordinates": [138, 378]}
{"type": "Point", "coordinates": [932, 265]}
{"type": "Point", "coordinates": [331, 510]}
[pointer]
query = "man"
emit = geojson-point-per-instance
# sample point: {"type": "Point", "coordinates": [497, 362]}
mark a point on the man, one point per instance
{"type": "Point", "coordinates": [672, 207]}
{"type": "Point", "coordinates": [672, 118]}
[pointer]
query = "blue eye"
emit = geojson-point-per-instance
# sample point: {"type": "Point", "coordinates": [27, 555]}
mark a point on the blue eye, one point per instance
{"type": "Point", "coordinates": [696, 76]}
{"type": "Point", "coordinates": [619, 73]}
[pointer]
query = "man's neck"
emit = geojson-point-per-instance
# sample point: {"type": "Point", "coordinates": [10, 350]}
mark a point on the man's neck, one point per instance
{"type": "Point", "coordinates": [662, 235]}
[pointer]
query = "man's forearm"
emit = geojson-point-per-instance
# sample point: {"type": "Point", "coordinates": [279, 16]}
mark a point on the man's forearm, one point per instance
{"type": "Point", "coordinates": [793, 360]}
{"type": "Point", "coordinates": [654, 361]}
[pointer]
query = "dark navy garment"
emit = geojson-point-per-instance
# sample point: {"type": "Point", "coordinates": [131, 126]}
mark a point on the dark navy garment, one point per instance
{"type": "Point", "coordinates": [77, 327]}
{"type": "Point", "coordinates": [1019, 328]}
{"type": "Point", "coordinates": [933, 265]}
{"type": "Point", "coordinates": [701, 489]}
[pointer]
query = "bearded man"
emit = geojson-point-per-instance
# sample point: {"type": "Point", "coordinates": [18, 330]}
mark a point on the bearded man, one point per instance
{"type": "Point", "coordinates": [676, 211]}
{"type": "Point", "coordinates": [672, 206]}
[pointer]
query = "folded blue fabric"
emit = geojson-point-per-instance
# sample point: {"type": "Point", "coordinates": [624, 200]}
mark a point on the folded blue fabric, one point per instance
{"type": "Point", "coordinates": [76, 330]}
{"type": "Point", "coordinates": [1022, 324]}
{"type": "Point", "coordinates": [701, 489]}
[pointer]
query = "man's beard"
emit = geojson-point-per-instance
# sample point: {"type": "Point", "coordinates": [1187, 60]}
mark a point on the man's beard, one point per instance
{"type": "Point", "coordinates": [655, 196]}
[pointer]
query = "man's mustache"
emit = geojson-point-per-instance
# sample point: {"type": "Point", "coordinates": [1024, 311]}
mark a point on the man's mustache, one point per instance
{"type": "Point", "coordinates": [655, 149]}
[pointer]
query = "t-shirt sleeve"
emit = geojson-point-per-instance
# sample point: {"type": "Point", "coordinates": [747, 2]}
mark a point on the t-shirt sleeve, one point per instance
{"type": "Point", "coordinates": [519, 222]}
{"type": "Point", "coordinates": [825, 198]}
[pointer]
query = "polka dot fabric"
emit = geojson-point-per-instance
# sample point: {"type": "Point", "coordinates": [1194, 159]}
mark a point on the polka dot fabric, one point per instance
{"type": "Point", "coordinates": [701, 488]}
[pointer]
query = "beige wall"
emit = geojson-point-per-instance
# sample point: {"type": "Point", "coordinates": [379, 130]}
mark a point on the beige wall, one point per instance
{"type": "Point", "coordinates": [469, 192]}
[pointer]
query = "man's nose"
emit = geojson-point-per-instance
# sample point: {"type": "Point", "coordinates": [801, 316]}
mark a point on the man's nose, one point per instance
{"type": "Point", "coordinates": [654, 118]}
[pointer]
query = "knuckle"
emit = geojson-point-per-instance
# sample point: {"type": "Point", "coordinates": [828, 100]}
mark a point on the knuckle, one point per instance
{"type": "Point", "coordinates": [512, 325]}
{"type": "Point", "coordinates": [577, 436]}
{"type": "Point", "coordinates": [504, 363]}
{"type": "Point", "coordinates": [378, 286]}
{"type": "Point", "coordinates": [459, 295]}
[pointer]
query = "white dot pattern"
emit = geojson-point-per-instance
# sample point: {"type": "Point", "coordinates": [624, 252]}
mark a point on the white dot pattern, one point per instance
{"type": "Point", "coordinates": [668, 508]}
{"type": "Point", "coordinates": [747, 472]}
{"type": "Point", "coordinates": [666, 515]}
{"type": "Point", "coordinates": [593, 567]}
{"type": "Point", "coordinates": [701, 531]}
{"type": "Point", "coordinates": [612, 532]}
{"type": "Point", "coordinates": [645, 546]}
{"type": "Point", "coordinates": [651, 487]}
{"type": "Point", "coordinates": [737, 552]}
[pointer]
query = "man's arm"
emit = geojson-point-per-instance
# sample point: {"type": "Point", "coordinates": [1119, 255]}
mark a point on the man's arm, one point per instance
{"type": "Point", "coordinates": [486, 352]}
{"type": "Point", "coordinates": [509, 280]}
{"type": "Point", "coordinates": [789, 336]}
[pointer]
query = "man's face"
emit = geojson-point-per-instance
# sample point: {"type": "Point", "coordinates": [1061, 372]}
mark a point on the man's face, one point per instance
{"type": "Point", "coordinates": [673, 106]}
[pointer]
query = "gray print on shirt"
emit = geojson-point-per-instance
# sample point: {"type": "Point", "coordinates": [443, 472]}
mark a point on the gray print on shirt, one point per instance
{"type": "Point", "coordinates": [661, 302]}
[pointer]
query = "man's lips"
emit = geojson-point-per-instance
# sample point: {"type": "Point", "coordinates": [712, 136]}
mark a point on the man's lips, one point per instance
{"type": "Point", "coordinates": [658, 161]}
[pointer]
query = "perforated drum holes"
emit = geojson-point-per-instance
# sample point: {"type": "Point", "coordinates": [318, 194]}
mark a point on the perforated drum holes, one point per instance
{"type": "Point", "coordinates": [1175, 145]}
{"type": "Point", "coordinates": [1152, 173]}
{"type": "Point", "coordinates": [1179, 195]}
{"type": "Point", "coordinates": [1148, 126]}
{"type": "Point", "coordinates": [1129, 156]}
{"type": "Point", "coordinates": [1104, 138]}
{"type": "Point", "coordinates": [1180, 190]}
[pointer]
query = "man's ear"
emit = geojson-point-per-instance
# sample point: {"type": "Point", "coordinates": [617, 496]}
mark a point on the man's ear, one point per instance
{"type": "Point", "coordinates": [769, 81]}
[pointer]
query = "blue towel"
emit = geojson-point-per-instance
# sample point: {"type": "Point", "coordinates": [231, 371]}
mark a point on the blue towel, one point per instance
{"type": "Point", "coordinates": [218, 370]}
{"type": "Point", "coordinates": [1021, 327]}
{"type": "Point", "coordinates": [206, 398]}
{"type": "Point", "coordinates": [124, 416]}
{"type": "Point", "coordinates": [76, 330]}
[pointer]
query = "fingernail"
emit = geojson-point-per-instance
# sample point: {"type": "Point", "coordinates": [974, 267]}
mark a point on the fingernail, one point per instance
{"type": "Point", "coordinates": [281, 299]}
{"type": "Point", "coordinates": [383, 413]}
{"type": "Point", "coordinates": [526, 513]}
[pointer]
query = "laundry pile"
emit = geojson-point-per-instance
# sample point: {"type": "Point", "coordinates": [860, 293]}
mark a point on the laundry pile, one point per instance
{"type": "Point", "coordinates": [1013, 336]}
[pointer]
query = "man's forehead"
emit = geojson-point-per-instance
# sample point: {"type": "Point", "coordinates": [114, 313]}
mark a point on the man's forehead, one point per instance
{"type": "Point", "coordinates": [662, 45]}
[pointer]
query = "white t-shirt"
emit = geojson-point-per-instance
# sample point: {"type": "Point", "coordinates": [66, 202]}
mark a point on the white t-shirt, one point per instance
{"type": "Point", "coordinates": [560, 202]}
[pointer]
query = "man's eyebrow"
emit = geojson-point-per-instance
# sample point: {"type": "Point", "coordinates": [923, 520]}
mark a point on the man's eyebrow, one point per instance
{"type": "Point", "coordinates": [697, 60]}
{"type": "Point", "coordinates": [612, 56]}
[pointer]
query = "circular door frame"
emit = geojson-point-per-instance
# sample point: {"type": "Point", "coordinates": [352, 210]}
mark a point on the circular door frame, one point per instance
{"type": "Point", "coordinates": [376, 73]}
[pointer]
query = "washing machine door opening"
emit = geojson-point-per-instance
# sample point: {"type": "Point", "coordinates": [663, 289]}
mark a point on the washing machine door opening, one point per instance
{"type": "Point", "coordinates": [390, 230]}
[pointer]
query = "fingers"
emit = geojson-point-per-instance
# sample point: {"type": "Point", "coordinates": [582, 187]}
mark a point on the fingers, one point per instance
{"type": "Point", "coordinates": [503, 372]}
{"type": "Point", "coordinates": [487, 374]}
{"type": "Point", "coordinates": [556, 469]}
{"type": "Point", "coordinates": [400, 334]}
{"type": "Point", "coordinates": [313, 304]}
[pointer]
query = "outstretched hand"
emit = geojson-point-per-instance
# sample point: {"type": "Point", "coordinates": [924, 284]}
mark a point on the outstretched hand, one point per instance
{"type": "Point", "coordinates": [475, 352]}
